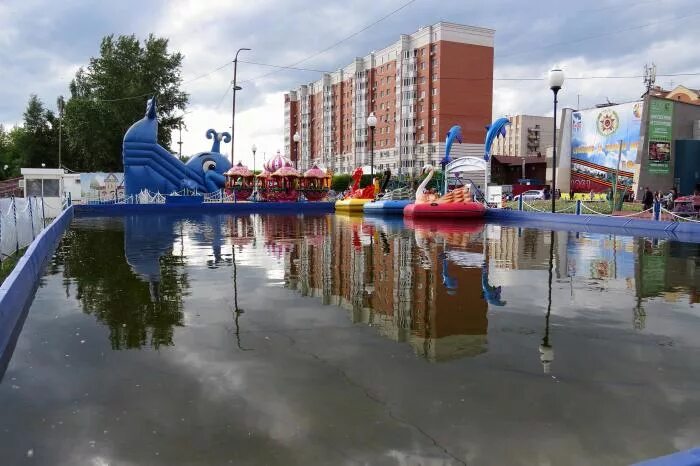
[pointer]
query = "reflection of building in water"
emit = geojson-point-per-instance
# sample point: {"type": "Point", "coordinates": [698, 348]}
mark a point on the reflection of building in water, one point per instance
{"type": "Point", "coordinates": [518, 249]}
{"type": "Point", "coordinates": [668, 269]}
{"type": "Point", "coordinates": [377, 277]}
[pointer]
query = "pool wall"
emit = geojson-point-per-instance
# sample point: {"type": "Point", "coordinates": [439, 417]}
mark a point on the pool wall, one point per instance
{"type": "Point", "coordinates": [17, 291]}
{"type": "Point", "coordinates": [632, 225]}
{"type": "Point", "coordinates": [205, 208]}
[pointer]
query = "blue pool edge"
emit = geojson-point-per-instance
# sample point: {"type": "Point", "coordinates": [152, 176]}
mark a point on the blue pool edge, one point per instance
{"type": "Point", "coordinates": [633, 225]}
{"type": "Point", "coordinates": [18, 288]}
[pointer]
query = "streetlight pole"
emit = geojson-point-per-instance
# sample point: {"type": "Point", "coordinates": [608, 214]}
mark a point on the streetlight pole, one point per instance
{"type": "Point", "coordinates": [371, 123]}
{"type": "Point", "coordinates": [233, 108]}
{"type": "Point", "coordinates": [556, 80]}
{"type": "Point", "coordinates": [296, 139]}
{"type": "Point", "coordinates": [255, 180]}
{"type": "Point", "coordinates": [61, 103]}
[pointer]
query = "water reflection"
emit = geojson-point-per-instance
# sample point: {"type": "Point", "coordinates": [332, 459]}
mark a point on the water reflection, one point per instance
{"type": "Point", "coordinates": [610, 320]}
{"type": "Point", "coordinates": [133, 283]}
{"type": "Point", "coordinates": [429, 284]}
{"type": "Point", "coordinates": [420, 286]}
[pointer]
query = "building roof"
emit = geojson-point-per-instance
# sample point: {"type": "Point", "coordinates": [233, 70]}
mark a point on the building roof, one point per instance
{"type": "Point", "coordinates": [515, 160]}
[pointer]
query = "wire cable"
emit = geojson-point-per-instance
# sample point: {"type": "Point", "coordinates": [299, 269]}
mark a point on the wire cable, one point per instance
{"type": "Point", "coordinates": [599, 35]}
{"type": "Point", "coordinates": [345, 39]}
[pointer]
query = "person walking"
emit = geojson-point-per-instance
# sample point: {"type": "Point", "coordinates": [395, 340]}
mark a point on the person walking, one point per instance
{"type": "Point", "coordinates": [648, 199]}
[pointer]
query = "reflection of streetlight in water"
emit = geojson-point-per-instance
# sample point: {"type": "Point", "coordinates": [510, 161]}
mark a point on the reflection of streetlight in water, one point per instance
{"type": "Point", "coordinates": [546, 350]}
{"type": "Point", "coordinates": [236, 310]}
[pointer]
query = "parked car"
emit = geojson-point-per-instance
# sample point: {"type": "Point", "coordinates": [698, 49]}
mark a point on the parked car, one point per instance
{"type": "Point", "coordinates": [531, 195]}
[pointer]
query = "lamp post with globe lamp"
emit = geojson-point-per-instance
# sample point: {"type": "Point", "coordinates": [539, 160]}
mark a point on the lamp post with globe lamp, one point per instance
{"type": "Point", "coordinates": [371, 123]}
{"type": "Point", "coordinates": [556, 81]}
{"type": "Point", "coordinates": [296, 139]}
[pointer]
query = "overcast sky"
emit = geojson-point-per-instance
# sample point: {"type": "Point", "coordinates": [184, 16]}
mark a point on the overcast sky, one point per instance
{"type": "Point", "coordinates": [43, 42]}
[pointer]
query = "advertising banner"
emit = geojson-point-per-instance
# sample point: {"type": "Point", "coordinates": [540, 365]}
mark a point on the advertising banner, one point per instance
{"type": "Point", "coordinates": [101, 186]}
{"type": "Point", "coordinates": [601, 140]}
{"type": "Point", "coordinates": [660, 135]}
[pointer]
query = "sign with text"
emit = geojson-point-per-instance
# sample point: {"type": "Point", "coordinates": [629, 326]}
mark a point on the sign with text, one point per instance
{"type": "Point", "coordinates": [605, 141]}
{"type": "Point", "coordinates": [660, 136]}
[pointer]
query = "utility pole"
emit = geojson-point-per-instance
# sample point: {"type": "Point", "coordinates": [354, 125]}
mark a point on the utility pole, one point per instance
{"type": "Point", "coordinates": [617, 174]}
{"type": "Point", "coordinates": [578, 101]}
{"type": "Point", "coordinates": [61, 104]}
{"type": "Point", "coordinates": [233, 107]}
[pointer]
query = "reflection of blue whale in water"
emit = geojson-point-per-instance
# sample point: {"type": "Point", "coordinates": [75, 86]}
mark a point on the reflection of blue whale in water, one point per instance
{"type": "Point", "coordinates": [147, 165]}
{"type": "Point", "coordinates": [148, 237]}
{"type": "Point", "coordinates": [449, 282]}
{"type": "Point", "coordinates": [491, 293]}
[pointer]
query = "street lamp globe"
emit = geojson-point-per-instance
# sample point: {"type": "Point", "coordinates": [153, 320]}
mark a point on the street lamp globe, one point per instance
{"type": "Point", "coordinates": [556, 78]}
{"type": "Point", "coordinates": [254, 148]}
{"type": "Point", "coordinates": [371, 120]}
{"type": "Point", "coordinates": [296, 137]}
{"type": "Point", "coordinates": [556, 81]}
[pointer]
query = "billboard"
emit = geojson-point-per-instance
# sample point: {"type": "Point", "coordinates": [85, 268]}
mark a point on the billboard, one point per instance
{"type": "Point", "coordinates": [101, 186]}
{"type": "Point", "coordinates": [660, 136]}
{"type": "Point", "coordinates": [600, 139]}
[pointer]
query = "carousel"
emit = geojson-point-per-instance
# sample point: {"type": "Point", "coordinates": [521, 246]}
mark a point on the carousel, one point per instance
{"type": "Point", "coordinates": [315, 184]}
{"type": "Point", "coordinates": [240, 181]}
{"type": "Point", "coordinates": [279, 180]}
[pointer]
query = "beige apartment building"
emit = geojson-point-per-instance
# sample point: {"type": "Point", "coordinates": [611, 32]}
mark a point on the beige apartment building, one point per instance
{"type": "Point", "coordinates": [527, 135]}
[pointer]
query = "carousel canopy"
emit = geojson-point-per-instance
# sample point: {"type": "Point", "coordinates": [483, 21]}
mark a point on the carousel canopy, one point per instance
{"type": "Point", "coordinates": [277, 162]}
{"type": "Point", "coordinates": [286, 171]}
{"type": "Point", "coordinates": [264, 174]}
{"type": "Point", "coordinates": [239, 170]}
{"type": "Point", "coordinates": [315, 172]}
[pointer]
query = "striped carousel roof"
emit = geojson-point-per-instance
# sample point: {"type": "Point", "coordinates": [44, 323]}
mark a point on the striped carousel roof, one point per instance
{"type": "Point", "coordinates": [277, 162]}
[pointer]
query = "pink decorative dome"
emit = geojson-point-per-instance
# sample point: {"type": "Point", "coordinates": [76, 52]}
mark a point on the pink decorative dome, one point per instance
{"type": "Point", "coordinates": [286, 171]}
{"type": "Point", "coordinates": [315, 172]}
{"type": "Point", "coordinates": [277, 162]}
{"type": "Point", "coordinates": [239, 170]}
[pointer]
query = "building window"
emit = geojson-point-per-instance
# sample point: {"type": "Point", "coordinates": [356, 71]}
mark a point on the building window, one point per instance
{"type": "Point", "coordinates": [434, 106]}
{"type": "Point", "coordinates": [434, 91]}
{"type": "Point", "coordinates": [434, 121]}
{"type": "Point", "coordinates": [435, 76]}
{"type": "Point", "coordinates": [433, 136]}
{"type": "Point", "coordinates": [422, 66]}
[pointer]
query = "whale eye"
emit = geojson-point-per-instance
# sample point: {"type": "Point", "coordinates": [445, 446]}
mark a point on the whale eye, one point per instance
{"type": "Point", "coordinates": [209, 165]}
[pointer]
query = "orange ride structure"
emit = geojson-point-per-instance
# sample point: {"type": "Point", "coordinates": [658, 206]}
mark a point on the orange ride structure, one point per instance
{"type": "Point", "coordinates": [240, 181]}
{"type": "Point", "coordinates": [458, 203]}
{"type": "Point", "coordinates": [279, 180]}
{"type": "Point", "coordinates": [315, 183]}
{"type": "Point", "coordinates": [357, 197]}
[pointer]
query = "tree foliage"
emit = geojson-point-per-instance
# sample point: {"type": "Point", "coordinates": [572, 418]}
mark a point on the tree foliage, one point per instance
{"type": "Point", "coordinates": [110, 95]}
{"type": "Point", "coordinates": [106, 97]}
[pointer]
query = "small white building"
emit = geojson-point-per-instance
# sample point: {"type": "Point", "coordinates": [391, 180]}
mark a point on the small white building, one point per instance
{"type": "Point", "coordinates": [51, 184]}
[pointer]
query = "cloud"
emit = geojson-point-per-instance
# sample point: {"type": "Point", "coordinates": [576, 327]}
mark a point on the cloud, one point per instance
{"type": "Point", "coordinates": [43, 42]}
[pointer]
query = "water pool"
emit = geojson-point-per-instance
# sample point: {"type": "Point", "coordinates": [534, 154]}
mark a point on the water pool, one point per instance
{"type": "Point", "coordinates": [268, 339]}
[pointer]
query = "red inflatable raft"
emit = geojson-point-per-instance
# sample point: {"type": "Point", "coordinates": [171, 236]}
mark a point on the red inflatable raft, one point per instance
{"type": "Point", "coordinates": [445, 210]}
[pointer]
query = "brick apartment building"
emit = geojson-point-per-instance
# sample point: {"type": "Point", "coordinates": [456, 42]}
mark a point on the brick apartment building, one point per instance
{"type": "Point", "coordinates": [418, 87]}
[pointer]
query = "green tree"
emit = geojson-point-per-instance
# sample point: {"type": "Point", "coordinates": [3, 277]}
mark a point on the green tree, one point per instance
{"type": "Point", "coordinates": [110, 95]}
{"type": "Point", "coordinates": [10, 154]}
{"type": "Point", "coordinates": [36, 143]}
